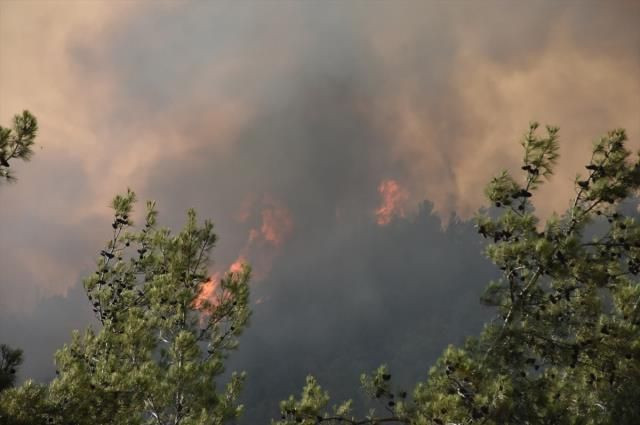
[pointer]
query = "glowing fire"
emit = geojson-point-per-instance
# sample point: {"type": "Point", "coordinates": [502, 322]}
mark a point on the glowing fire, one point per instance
{"type": "Point", "coordinates": [237, 265]}
{"type": "Point", "coordinates": [275, 226]}
{"type": "Point", "coordinates": [272, 226]}
{"type": "Point", "coordinates": [210, 295]}
{"type": "Point", "coordinates": [394, 198]}
{"type": "Point", "coordinates": [206, 298]}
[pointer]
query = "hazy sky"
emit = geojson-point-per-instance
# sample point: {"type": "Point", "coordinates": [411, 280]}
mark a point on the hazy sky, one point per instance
{"type": "Point", "coordinates": [310, 132]}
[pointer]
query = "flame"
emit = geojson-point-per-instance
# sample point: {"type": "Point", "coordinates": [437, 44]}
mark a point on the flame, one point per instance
{"type": "Point", "coordinates": [236, 266]}
{"type": "Point", "coordinates": [275, 226]}
{"type": "Point", "coordinates": [209, 295]}
{"type": "Point", "coordinates": [394, 198]}
{"type": "Point", "coordinates": [206, 298]}
{"type": "Point", "coordinates": [271, 225]}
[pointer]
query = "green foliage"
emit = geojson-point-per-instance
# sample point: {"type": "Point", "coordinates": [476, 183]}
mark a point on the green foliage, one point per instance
{"type": "Point", "coordinates": [540, 155]}
{"type": "Point", "coordinates": [17, 142]}
{"type": "Point", "coordinates": [10, 360]}
{"type": "Point", "coordinates": [565, 347]}
{"type": "Point", "coordinates": [306, 410]}
{"type": "Point", "coordinates": [159, 351]}
{"type": "Point", "coordinates": [26, 405]}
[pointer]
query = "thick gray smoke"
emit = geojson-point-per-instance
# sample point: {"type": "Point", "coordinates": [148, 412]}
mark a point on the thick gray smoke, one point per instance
{"type": "Point", "coordinates": [280, 120]}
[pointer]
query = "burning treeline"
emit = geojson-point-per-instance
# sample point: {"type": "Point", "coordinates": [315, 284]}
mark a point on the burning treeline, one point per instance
{"type": "Point", "coordinates": [274, 227]}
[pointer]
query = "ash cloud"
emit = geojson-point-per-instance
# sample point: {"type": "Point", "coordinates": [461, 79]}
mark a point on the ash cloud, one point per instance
{"type": "Point", "coordinates": [313, 105]}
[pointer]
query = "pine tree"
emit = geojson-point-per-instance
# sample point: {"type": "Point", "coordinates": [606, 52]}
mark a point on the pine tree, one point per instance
{"type": "Point", "coordinates": [17, 142]}
{"type": "Point", "coordinates": [565, 346]}
{"type": "Point", "coordinates": [10, 360]}
{"type": "Point", "coordinates": [159, 350]}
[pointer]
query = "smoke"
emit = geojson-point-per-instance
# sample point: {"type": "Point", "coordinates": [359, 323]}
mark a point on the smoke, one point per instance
{"type": "Point", "coordinates": [313, 104]}
{"type": "Point", "coordinates": [283, 122]}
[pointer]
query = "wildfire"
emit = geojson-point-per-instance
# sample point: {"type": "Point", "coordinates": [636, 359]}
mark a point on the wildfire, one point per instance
{"type": "Point", "coordinates": [271, 224]}
{"type": "Point", "coordinates": [206, 298]}
{"type": "Point", "coordinates": [210, 295]}
{"type": "Point", "coordinates": [394, 198]}
{"type": "Point", "coordinates": [275, 226]}
{"type": "Point", "coordinates": [236, 266]}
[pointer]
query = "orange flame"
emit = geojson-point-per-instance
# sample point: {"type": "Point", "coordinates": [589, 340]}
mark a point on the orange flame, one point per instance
{"type": "Point", "coordinates": [276, 224]}
{"type": "Point", "coordinates": [209, 296]}
{"type": "Point", "coordinates": [206, 298]}
{"type": "Point", "coordinates": [236, 266]}
{"type": "Point", "coordinates": [272, 226]}
{"type": "Point", "coordinates": [394, 198]}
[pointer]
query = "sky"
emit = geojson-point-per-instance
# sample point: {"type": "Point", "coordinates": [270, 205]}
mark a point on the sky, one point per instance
{"type": "Point", "coordinates": [339, 147]}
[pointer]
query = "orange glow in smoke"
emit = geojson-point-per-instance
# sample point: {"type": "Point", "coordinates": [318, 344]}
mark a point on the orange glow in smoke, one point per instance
{"type": "Point", "coordinates": [254, 235]}
{"type": "Point", "coordinates": [276, 224]}
{"type": "Point", "coordinates": [394, 198]}
{"type": "Point", "coordinates": [244, 213]}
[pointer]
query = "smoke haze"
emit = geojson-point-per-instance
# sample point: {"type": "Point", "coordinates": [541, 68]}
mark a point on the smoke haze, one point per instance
{"type": "Point", "coordinates": [312, 133]}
